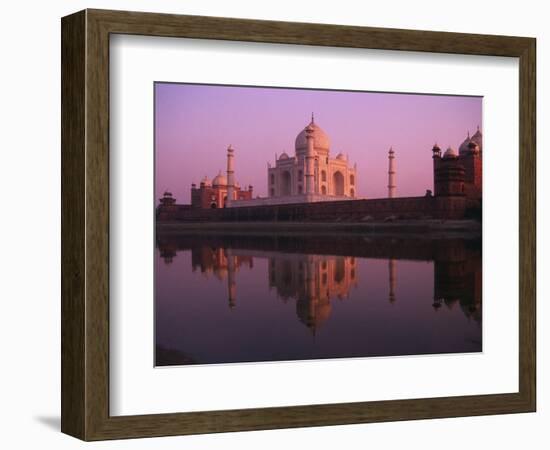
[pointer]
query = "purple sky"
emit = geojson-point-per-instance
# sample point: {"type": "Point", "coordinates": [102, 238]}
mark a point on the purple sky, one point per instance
{"type": "Point", "coordinates": [194, 124]}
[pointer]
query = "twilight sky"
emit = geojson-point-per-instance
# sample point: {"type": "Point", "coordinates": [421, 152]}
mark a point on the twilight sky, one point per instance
{"type": "Point", "coordinates": [194, 124]}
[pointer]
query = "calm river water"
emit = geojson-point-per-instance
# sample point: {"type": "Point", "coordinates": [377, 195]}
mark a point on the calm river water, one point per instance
{"type": "Point", "coordinates": [231, 298]}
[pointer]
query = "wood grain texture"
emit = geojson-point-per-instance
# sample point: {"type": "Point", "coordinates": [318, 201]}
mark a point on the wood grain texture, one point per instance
{"type": "Point", "coordinates": [527, 224]}
{"type": "Point", "coordinates": [73, 226]}
{"type": "Point", "coordinates": [85, 224]}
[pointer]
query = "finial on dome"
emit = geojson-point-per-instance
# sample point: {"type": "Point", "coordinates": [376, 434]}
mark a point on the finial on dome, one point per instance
{"type": "Point", "coordinates": [469, 134]}
{"type": "Point", "coordinates": [312, 118]}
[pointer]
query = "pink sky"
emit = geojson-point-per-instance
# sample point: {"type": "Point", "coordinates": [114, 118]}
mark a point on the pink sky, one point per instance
{"type": "Point", "coordinates": [194, 124]}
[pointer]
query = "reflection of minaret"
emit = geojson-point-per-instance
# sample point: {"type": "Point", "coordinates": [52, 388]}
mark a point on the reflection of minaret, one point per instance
{"type": "Point", "coordinates": [391, 173]}
{"type": "Point", "coordinates": [310, 294]}
{"type": "Point", "coordinates": [391, 269]}
{"type": "Point", "coordinates": [231, 285]}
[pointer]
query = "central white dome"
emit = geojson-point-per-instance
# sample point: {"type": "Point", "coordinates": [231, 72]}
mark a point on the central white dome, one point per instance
{"type": "Point", "coordinates": [321, 140]}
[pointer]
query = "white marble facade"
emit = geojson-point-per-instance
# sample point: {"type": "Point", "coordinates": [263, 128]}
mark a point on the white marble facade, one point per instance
{"type": "Point", "coordinates": [332, 178]}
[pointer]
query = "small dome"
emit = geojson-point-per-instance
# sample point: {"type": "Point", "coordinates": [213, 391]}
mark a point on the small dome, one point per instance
{"type": "Point", "coordinates": [283, 156]}
{"type": "Point", "coordinates": [478, 139]}
{"type": "Point", "coordinates": [219, 180]}
{"type": "Point", "coordinates": [341, 157]}
{"type": "Point", "coordinates": [464, 146]}
{"type": "Point", "coordinates": [473, 147]}
{"type": "Point", "coordinates": [321, 140]}
{"type": "Point", "coordinates": [450, 153]}
{"type": "Point", "coordinates": [206, 181]}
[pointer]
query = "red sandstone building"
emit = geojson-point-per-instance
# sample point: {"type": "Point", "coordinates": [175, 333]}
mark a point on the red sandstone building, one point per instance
{"type": "Point", "coordinates": [213, 194]}
{"type": "Point", "coordinates": [459, 173]}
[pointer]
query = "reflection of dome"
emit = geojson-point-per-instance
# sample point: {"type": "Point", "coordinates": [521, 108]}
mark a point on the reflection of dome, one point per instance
{"type": "Point", "coordinates": [283, 156]}
{"type": "Point", "coordinates": [450, 153]}
{"type": "Point", "coordinates": [219, 180]}
{"type": "Point", "coordinates": [313, 312]}
{"type": "Point", "coordinates": [321, 140]}
{"type": "Point", "coordinates": [340, 156]}
{"type": "Point", "coordinates": [478, 139]}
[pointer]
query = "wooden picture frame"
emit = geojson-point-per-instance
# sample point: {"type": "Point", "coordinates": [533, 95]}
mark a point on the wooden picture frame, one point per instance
{"type": "Point", "coordinates": [85, 224]}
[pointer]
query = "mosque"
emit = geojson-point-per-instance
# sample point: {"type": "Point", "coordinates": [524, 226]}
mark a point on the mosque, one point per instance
{"type": "Point", "coordinates": [312, 176]}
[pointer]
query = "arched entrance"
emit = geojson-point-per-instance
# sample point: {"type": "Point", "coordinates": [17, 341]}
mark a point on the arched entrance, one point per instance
{"type": "Point", "coordinates": [338, 183]}
{"type": "Point", "coordinates": [286, 183]}
{"type": "Point", "coordinates": [213, 205]}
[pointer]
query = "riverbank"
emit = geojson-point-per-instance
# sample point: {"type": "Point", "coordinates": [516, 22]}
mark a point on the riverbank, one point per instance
{"type": "Point", "coordinates": [424, 228]}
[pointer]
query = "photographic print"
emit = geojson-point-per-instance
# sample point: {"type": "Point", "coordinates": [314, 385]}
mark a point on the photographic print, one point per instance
{"type": "Point", "coordinates": [302, 224]}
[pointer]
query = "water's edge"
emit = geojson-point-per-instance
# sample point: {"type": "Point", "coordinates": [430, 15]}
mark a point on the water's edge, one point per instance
{"type": "Point", "coordinates": [427, 228]}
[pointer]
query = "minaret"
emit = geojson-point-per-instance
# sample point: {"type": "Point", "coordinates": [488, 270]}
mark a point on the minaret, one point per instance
{"type": "Point", "coordinates": [391, 174]}
{"type": "Point", "coordinates": [310, 159]}
{"type": "Point", "coordinates": [436, 156]}
{"type": "Point", "coordinates": [230, 175]}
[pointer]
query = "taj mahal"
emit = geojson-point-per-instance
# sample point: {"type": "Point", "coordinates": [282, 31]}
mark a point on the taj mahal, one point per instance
{"type": "Point", "coordinates": [310, 175]}
{"type": "Point", "coordinates": [312, 172]}
{"type": "Point", "coordinates": [312, 185]}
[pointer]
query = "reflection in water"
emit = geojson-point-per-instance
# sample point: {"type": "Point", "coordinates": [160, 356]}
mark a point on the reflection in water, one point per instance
{"type": "Point", "coordinates": [222, 263]}
{"type": "Point", "coordinates": [313, 281]}
{"type": "Point", "coordinates": [345, 291]}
